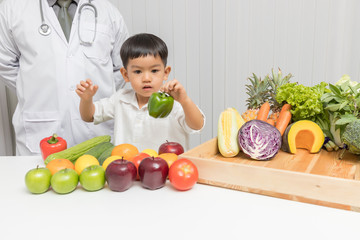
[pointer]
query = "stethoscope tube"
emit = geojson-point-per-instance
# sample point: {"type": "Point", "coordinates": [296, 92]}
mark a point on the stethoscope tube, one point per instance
{"type": "Point", "coordinates": [44, 28]}
{"type": "Point", "coordinates": [89, 4]}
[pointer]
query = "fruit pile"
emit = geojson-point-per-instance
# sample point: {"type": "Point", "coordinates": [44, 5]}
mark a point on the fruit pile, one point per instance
{"type": "Point", "coordinates": [118, 165]}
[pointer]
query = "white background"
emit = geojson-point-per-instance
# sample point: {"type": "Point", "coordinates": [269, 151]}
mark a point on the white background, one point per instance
{"type": "Point", "coordinates": [216, 44]}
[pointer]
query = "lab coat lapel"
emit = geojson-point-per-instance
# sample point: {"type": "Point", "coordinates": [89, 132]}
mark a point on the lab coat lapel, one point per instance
{"type": "Point", "coordinates": [53, 21]}
{"type": "Point", "coordinates": [74, 28]}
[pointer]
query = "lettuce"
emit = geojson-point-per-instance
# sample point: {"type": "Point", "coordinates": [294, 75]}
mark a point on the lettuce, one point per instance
{"type": "Point", "coordinates": [305, 101]}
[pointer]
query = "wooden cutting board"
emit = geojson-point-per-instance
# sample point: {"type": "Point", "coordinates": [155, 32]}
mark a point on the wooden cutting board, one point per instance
{"type": "Point", "coordinates": [320, 178]}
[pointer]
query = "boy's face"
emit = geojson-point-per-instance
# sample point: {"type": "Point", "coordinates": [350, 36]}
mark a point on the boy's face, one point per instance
{"type": "Point", "coordinates": [146, 75]}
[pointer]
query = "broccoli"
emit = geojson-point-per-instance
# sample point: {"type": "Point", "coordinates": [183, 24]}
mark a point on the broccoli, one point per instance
{"type": "Point", "coordinates": [351, 137]}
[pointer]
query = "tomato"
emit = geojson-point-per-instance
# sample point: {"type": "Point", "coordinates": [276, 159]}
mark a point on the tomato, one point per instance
{"type": "Point", "coordinates": [183, 174]}
{"type": "Point", "coordinates": [137, 160]}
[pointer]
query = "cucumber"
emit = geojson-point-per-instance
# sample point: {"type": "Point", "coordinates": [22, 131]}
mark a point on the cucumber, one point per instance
{"type": "Point", "coordinates": [105, 155]}
{"type": "Point", "coordinates": [99, 149]}
{"type": "Point", "coordinates": [78, 150]}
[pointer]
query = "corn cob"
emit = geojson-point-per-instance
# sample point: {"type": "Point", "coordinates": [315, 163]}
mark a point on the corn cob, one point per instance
{"type": "Point", "coordinates": [229, 124]}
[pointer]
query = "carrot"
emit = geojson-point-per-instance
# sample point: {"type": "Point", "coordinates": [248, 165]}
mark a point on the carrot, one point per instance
{"type": "Point", "coordinates": [283, 121]}
{"type": "Point", "coordinates": [285, 107]}
{"type": "Point", "coordinates": [270, 121]}
{"type": "Point", "coordinates": [263, 111]}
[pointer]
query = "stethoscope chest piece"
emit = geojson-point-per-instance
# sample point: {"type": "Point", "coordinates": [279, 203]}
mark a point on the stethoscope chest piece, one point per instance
{"type": "Point", "coordinates": [44, 29]}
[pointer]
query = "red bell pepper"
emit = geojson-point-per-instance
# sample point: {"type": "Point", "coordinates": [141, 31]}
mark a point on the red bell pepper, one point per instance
{"type": "Point", "coordinates": [52, 145]}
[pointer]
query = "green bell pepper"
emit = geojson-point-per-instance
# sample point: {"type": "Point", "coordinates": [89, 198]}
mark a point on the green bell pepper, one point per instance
{"type": "Point", "coordinates": [160, 104]}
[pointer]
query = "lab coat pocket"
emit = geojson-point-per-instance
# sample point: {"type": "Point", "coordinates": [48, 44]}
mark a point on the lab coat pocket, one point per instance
{"type": "Point", "coordinates": [100, 48]}
{"type": "Point", "coordinates": [39, 125]}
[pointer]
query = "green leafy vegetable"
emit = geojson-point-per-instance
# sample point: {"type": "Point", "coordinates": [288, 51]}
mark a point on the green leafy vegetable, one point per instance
{"type": "Point", "coordinates": [341, 104]}
{"type": "Point", "coordinates": [351, 137]}
{"type": "Point", "coordinates": [305, 101]}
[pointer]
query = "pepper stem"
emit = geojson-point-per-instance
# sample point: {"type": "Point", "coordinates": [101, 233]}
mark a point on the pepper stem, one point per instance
{"type": "Point", "coordinates": [53, 139]}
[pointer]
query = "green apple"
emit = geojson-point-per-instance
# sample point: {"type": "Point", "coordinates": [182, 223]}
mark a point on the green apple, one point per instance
{"type": "Point", "coordinates": [65, 181]}
{"type": "Point", "coordinates": [92, 178]}
{"type": "Point", "coordinates": [37, 180]}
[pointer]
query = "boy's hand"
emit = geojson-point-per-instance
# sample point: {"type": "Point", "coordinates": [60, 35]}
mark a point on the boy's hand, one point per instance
{"type": "Point", "coordinates": [176, 90]}
{"type": "Point", "coordinates": [193, 116]}
{"type": "Point", "coordinates": [86, 90]}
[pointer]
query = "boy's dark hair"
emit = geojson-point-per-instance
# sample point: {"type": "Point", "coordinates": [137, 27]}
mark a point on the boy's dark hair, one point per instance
{"type": "Point", "coordinates": [141, 45]}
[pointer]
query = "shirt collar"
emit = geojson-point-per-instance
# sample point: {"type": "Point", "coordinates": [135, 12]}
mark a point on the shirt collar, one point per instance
{"type": "Point", "coordinates": [129, 96]}
{"type": "Point", "coordinates": [52, 2]}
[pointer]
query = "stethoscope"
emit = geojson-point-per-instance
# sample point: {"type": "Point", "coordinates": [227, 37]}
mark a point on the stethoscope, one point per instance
{"type": "Point", "coordinates": [45, 29]}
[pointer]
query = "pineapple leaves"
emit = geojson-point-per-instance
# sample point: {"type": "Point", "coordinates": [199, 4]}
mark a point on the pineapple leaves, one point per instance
{"type": "Point", "coordinates": [257, 91]}
{"type": "Point", "coordinates": [262, 90]}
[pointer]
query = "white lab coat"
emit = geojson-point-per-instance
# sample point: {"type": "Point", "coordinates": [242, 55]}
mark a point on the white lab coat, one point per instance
{"type": "Point", "coordinates": [44, 70]}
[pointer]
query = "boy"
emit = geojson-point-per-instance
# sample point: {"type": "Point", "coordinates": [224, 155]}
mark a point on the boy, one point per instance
{"type": "Point", "coordinates": [144, 57]}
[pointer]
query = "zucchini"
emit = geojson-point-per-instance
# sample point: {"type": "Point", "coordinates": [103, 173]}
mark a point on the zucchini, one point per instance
{"type": "Point", "coordinates": [99, 149]}
{"type": "Point", "coordinates": [105, 155]}
{"type": "Point", "coordinates": [78, 150]}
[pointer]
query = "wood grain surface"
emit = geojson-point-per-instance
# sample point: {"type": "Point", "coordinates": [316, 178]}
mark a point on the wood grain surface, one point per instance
{"type": "Point", "coordinates": [320, 178]}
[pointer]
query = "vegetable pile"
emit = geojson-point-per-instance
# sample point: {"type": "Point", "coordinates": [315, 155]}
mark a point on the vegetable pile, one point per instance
{"type": "Point", "coordinates": [329, 116]}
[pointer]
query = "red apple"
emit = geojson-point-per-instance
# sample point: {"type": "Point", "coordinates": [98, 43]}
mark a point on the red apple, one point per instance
{"type": "Point", "coordinates": [120, 175]}
{"type": "Point", "coordinates": [153, 172]}
{"type": "Point", "coordinates": [171, 147]}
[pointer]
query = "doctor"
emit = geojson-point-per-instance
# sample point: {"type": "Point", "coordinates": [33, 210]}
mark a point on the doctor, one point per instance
{"type": "Point", "coordinates": [44, 64]}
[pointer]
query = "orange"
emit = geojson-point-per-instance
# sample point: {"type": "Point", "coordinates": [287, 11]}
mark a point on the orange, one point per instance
{"type": "Point", "coordinates": [59, 164]}
{"type": "Point", "coordinates": [150, 152]}
{"type": "Point", "coordinates": [109, 160]}
{"type": "Point", "coordinates": [170, 158]}
{"type": "Point", "coordinates": [126, 150]}
{"type": "Point", "coordinates": [85, 161]}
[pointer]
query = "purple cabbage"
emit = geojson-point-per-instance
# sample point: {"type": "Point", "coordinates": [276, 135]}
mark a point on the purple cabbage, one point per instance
{"type": "Point", "coordinates": [259, 140]}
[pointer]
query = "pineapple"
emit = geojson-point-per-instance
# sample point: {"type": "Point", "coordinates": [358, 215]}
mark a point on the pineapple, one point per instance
{"type": "Point", "coordinates": [258, 94]}
{"type": "Point", "coordinates": [276, 81]}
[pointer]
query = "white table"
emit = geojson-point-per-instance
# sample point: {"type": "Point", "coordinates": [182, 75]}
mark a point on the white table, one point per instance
{"type": "Point", "coordinates": [204, 212]}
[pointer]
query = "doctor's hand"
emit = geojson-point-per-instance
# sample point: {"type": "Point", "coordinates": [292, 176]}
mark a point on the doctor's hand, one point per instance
{"type": "Point", "coordinates": [86, 90]}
